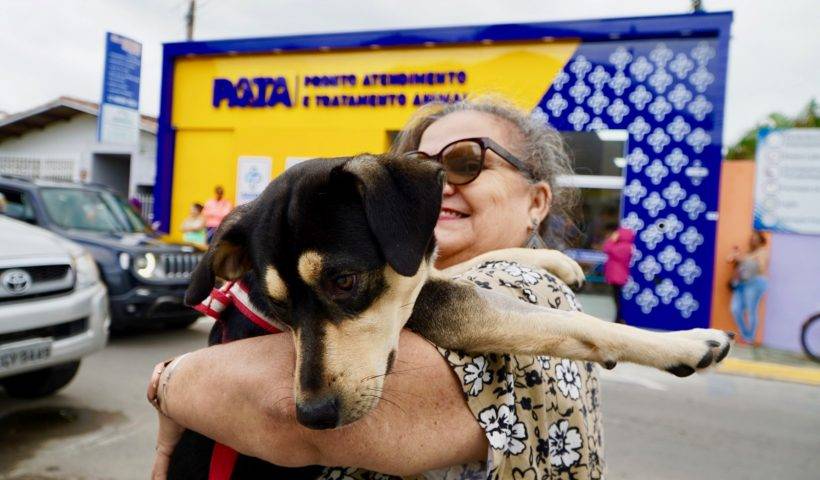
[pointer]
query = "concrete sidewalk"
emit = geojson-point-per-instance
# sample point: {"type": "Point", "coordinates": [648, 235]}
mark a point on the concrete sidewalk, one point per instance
{"type": "Point", "coordinates": [760, 362]}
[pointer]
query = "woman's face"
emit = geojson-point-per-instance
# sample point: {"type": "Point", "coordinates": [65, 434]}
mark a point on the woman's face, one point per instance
{"type": "Point", "coordinates": [493, 211]}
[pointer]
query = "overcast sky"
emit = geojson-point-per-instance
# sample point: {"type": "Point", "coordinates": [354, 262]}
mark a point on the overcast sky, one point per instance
{"type": "Point", "coordinates": [50, 48]}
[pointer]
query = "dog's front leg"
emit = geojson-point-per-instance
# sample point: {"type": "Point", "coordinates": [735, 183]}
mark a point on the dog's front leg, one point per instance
{"type": "Point", "coordinates": [552, 261]}
{"type": "Point", "coordinates": [464, 317]}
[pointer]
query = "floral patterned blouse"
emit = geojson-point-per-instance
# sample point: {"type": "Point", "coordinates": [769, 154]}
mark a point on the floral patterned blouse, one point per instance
{"type": "Point", "coordinates": [541, 415]}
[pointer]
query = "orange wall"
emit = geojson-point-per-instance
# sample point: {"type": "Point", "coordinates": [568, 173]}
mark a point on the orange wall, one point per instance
{"type": "Point", "coordinates": [734, 228]}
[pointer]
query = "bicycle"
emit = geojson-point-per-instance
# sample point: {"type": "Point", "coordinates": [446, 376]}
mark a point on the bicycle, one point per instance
{"type": "Point", "coordinates": [810, 337]}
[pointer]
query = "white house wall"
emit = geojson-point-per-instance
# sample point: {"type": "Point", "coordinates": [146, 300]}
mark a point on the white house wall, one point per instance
{"type": "Point", "coordinates": [76, 139]}
{"type": "Point", "coordinates": [69, 139]}
{"type": "Point", "coordinates": [144, 163]}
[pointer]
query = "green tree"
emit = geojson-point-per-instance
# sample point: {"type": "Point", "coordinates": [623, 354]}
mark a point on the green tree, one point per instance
{"type": "Point", "coordinates": [745, 148]}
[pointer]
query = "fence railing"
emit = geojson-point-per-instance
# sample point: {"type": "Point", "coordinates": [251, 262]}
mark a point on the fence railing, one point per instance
{"type": "Point", "coordinates": [146, 198]}
{"type": "Point", "coordinates": [37, 166]}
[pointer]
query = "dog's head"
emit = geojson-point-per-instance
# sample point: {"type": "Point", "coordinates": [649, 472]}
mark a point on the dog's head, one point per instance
{"type": "Point", "coordinates": [346, 245]}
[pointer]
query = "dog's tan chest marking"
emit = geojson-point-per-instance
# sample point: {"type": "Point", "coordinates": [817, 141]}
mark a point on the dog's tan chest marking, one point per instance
{"type": "Point", "coordinates": [310, 267]}
{"type": "Point", "coordinates": [274, 284]}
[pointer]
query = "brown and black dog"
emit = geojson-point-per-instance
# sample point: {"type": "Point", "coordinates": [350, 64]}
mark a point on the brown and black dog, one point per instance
{"type": "Point", "coordinates": [342, 252]}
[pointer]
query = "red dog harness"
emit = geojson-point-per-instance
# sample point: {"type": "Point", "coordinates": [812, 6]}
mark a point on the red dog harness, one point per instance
{"type": "Point", "coordinates": [223, 457]}
{"type": "Point", "coordinates": [236, 294]}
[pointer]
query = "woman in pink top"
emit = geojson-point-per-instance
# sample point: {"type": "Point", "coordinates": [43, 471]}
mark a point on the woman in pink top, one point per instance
{"type": "Point", "coordinates": [215, 210]}
{"type": "Point", "coordinates": [618, 249]}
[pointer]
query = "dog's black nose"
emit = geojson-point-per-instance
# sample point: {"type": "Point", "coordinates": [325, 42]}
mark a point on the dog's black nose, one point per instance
{"type": "Point", "coordinates": [319, 414]}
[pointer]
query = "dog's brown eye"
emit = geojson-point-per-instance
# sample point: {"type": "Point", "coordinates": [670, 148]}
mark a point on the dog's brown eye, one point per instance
{"type": "Point", "coordinates": [345, 283]}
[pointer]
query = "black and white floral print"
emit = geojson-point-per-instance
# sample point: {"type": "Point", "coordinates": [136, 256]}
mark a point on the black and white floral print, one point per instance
{"type": "Point", "coordinates": [350, 473]}
{"type": "Point", "coordinates": [472, 471]}
{"type": "Point", "coordinates": [569, 380]}
{"type": "Point", "coordinates": [477, 375]}
{"type": "Point", "coordinates": [564, 443]}
{"type": "Point", "coordinates": [555, 399]}
{"type": "Point", "coordinates": [526, 274]}
{"type": "Point", "coordinates": [528, 474]}
{"type": "Point", "coordinates": [541, 415]}
{"type": "Point", "coordinates": [503, 429]}
{"type": "Point", "coordinates": [516, 277]}
{"type": "Point", "coordinates": [338, 473]}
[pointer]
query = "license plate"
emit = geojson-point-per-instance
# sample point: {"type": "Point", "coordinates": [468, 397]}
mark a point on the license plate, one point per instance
{"type": "Point", "coordinates": [24, 352]}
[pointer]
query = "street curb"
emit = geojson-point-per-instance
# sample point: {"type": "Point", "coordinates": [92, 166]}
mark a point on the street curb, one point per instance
{"type": "Point", "coordinates": [770, 371]}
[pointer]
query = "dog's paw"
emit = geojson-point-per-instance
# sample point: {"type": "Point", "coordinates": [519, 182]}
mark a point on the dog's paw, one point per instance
{"type": "Point", "coordinates": [563, 267]}
{"type": "Point", "coordinates": [698, 349]}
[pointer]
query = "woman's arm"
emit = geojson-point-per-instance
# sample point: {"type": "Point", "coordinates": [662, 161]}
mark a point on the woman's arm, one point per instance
{"type": "Point", "coordinates": [241, 394]}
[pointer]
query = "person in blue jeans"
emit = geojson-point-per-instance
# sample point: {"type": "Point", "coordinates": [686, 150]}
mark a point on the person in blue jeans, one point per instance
{"type": "Point", "coordinates": [749, 284]}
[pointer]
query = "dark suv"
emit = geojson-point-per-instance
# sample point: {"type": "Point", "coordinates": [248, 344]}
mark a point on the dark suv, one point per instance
{"type": "Point", "coordinates": [145, 275]}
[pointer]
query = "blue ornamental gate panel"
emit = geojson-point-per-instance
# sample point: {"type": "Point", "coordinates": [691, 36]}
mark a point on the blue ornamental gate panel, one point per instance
{"type": "Point", "coordinates": [668, 94]}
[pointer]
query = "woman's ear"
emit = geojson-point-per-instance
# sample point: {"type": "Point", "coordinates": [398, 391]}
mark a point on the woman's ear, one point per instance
{"type": "Point", "coordinates": [540, 201]}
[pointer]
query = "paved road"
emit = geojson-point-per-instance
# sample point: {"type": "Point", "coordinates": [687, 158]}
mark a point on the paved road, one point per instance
{"type": "Point", "coordinates": [711, 426]}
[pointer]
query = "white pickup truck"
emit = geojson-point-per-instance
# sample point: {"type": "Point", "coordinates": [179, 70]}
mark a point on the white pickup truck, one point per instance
{"type": "Point", "coordinates": [53, 309]}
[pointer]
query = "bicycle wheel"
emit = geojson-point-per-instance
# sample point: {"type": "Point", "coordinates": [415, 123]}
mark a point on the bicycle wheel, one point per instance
{"type": "Point", "coordinates": [810, 337]}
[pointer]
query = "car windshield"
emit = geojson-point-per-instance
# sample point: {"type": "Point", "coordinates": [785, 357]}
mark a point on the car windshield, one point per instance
{"type": "Point", "coordinates": [99, 211]}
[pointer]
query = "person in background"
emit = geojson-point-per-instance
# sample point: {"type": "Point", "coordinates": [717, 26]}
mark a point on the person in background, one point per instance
{"type": "Point", "coordinates": [215, 210]}
{"type": "Point", "coordinates": [2, 204]}
{"type": "Point", "coordinates": [618, 249]}
{"type": "Point", "coordinates": [136, 205]}
{"type": "Point", "coordinates": [749, 284]}
{"type": "Point", "coordinates": [193, 227]}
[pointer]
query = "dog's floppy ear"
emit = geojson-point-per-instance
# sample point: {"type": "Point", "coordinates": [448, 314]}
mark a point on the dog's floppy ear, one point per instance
{"type": "Point", "coordinates": [402, 200]}
{"type": "Point", "coordinates": [227, 257]}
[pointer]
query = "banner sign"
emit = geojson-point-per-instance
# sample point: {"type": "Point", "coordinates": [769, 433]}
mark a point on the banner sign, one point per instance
{"type": "Point", "coordinates": [253, 174]}
{"type": "Point", "coordinates": [786, 181]}
{"type": "Point", "coordinates": [119, 117]}
{"type": "Point", "coordinates": [322, 91]}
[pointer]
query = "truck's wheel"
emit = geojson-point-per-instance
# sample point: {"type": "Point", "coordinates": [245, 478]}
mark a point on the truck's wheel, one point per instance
{"type": "Point", "coordinates": [40, 383]}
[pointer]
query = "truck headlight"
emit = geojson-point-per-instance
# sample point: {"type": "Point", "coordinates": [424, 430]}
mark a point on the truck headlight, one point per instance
{"type": "Point", "coordinates": [86, 268]}
{"type": "Point", "coordinates": [145, 264]}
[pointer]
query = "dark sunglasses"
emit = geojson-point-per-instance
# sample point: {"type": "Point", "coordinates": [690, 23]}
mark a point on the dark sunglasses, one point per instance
{"type": "Point", "coordinates": [463, 159]}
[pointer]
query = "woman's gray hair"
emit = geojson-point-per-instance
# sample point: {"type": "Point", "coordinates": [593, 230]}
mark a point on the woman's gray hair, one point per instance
{"type": "Point", "coordinates": [539, 145]}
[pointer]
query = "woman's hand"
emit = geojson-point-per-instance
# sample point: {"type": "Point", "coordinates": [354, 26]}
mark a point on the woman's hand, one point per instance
{"type": "Point", "coordinates": [169, 431]}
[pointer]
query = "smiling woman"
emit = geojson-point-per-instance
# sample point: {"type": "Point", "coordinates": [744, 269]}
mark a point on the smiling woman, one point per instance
{"type": "Point", "coordinates": [540, 415]}
{"type": "Point", "coordinates": [513, 196]}
{"type": "Point", "coordinates": [444, 414]}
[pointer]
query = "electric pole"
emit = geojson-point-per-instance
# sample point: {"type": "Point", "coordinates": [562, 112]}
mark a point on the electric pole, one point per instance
{"type": "Point", "coordinates": [189, 20]}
